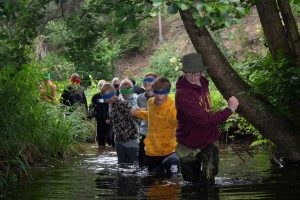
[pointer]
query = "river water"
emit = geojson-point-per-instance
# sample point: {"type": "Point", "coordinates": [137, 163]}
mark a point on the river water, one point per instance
{"type": "Point", "coordinates": [95, 174]}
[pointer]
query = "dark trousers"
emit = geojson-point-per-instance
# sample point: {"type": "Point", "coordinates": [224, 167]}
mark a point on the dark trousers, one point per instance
{"type": "Point", "coordinates": [103, 133]}
{"type": "Point", "coordinates": [168, 164]}
{"type": "Point", "coordinates": [142, 153]}
{"type": "Point", "coordinates": [127, 154]}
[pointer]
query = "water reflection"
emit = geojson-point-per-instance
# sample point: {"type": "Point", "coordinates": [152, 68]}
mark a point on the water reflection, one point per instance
{"type": "Point", "coordinates": [96, 174]}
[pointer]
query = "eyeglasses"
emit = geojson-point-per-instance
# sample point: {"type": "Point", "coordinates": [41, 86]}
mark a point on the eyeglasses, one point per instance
{"type": "Point", "coordinates": [193, 73]}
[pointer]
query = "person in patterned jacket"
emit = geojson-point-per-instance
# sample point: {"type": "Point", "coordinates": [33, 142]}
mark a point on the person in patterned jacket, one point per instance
{"type": "Point", "coordinates": [124, 125]}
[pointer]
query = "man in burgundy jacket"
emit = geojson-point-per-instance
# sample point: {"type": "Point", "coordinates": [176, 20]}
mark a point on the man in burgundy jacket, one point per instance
{"type": "Point", "coordinates": [197, 129]}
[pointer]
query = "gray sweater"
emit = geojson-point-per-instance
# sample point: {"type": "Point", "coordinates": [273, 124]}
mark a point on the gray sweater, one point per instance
{"type": "Point", "coordinates": [142, 101]}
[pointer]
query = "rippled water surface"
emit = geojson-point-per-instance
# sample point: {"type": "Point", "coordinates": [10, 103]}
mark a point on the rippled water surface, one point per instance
{"type": "Point", "coordinates": [96, 175]}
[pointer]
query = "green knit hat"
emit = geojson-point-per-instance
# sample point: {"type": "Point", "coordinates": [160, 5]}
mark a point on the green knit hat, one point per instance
{"type": "Point", "coordinates": [192, 62]}
{"type": "Point", "coordinates": [47, 75]}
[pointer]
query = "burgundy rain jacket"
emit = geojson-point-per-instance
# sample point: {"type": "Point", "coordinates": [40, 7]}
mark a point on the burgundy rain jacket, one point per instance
{"type": "Point", "coordinates": [197, 125]}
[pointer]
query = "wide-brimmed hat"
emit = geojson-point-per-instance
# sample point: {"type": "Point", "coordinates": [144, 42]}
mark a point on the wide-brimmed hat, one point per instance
{"type": "Point", "coordinates": [192, 62]}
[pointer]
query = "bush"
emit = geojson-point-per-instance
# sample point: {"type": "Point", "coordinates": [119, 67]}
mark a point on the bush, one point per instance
{"type": "Point", "coordinates": [160, 62]}
{"type": "Point", "coordinates": [59, 68]}
{"type": "Point", "coordinates": [32, 130]}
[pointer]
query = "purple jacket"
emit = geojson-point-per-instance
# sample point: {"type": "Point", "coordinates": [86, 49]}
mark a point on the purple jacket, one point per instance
{"type": "Point", "coordinates": [197, 125]}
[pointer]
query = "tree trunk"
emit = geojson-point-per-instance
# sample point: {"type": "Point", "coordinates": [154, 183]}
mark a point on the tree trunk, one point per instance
{"type": "Point", "coordinates": [229, 83]}
{"type": "Point", "coordinates": [161, 38]}
{"type": "Point", "coordinates": [291, 29]}
{"type": "Point", "coordinates": [281, 36]}
{"type": "Point", "coordinates": [272, 26]}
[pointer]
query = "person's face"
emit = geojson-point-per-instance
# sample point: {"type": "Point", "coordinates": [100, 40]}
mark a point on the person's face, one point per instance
{"type": "Point", "coordinates": [192, 77]}
{"type": "Point", "coordinates": [148, 85]}
{"type": "Point", "coordinates": [125, 96]}
{"type": "Point", "coordinates": [116, 83]}
{"type": "Point", "coordinates": [160, 99]}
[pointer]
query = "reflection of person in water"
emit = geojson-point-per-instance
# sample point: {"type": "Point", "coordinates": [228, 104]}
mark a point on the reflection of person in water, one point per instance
{"type": "Point", "coordinates": [127, 185]}
{"type": "Point", "coordinates": [119, 185]}
{"type": "Point", "coordinates": [163, 188]}
{"type": "Point", "coordinates": [198, 191]}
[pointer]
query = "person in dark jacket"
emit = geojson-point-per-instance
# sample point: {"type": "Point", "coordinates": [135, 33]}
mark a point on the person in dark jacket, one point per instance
{"type": "Point", "coordinates": [197, 129]}
{"type": "Point", "coordinates": [99, 109]}
{"type": "Point", "coordinates": [73, 96]}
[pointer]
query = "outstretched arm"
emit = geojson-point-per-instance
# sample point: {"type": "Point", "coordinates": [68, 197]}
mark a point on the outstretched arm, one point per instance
{"type": "Point", "coordinates": [141, 113]}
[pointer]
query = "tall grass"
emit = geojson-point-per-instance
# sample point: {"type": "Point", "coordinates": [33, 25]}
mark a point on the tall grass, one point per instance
{"type": "Point", "coordinates": [31, 130]}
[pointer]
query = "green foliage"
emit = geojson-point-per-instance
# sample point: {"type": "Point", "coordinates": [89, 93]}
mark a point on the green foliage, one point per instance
{"type": "Point", "coordinates": [81, 42]}
{"type": "Point", "coordinates": [215, 14]}
{"type": "Point", "coordinates": [21, 22]}
{"type": "Point", "coordinates": [133, 41]}
{"type": "Point", "coordinates": [295, 6]}
{"type": "Point", "coordinates": [56, 35]}
{"type": "Point", "coordinates": [92, 89]}
{"type": "Point", "coordinates": [59, 67]}
{"type": "Point", "coordinates": [235, 125]}
{"type": "Point", "coordinates": [217, 100]}
{"type": "Point", "coordinates": [278, 81]}
{"type": "Point", "coordinates": [160, 62]}
{"type": "Point", "coordinates": [105, 32]}
{"type": "Point", "coordinates": [264, 144]}
{"type": "Point", "coordinates": [32, 130]}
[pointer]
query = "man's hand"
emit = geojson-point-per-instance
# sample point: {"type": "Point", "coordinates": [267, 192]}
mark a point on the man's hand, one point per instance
{"type": "Point", "coordinates": [233, 103]}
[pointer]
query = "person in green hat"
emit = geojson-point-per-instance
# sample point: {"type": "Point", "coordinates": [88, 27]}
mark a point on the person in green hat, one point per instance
{"type": "Point", "coordinates": [48, 89]}
{"type": "Point", "coordinates": [197, 130]}
{"type": "Point", "coordinates": [126, 90]}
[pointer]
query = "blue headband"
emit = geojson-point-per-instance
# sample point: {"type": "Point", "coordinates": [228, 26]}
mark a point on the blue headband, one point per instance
{"type": "Point", "coordinates": [149, 80]}
{"type": "Point", "coordinates": [161, 92]}
{"type": "Point", "coordinates": [109, 95]}
{"type": "Point", "coordinates": [117, 85]}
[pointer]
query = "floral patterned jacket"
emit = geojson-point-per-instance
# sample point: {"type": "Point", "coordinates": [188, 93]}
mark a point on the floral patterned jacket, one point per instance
{"type": "Point", "coordinates": [124, 124]}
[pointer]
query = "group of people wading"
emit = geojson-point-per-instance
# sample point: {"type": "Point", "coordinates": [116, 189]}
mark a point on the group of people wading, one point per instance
{"type": "Point", "coordinates": [149, 129]}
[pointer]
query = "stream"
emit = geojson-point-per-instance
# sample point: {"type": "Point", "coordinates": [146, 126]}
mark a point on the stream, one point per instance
{"type": "Point", "coordinates": [95, 174]}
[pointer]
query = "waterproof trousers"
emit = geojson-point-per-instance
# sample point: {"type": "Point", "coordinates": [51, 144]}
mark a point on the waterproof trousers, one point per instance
{"type": "Point", "coordinates": [199, 165]}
